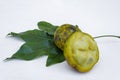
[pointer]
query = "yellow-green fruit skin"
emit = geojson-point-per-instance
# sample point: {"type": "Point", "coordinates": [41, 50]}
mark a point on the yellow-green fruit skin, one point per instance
{"type": "Point", "coordinates": [81, 51]}
{"type": "Point", "coordinates": [62, 33]}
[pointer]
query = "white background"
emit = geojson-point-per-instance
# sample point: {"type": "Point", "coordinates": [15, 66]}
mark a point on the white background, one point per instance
{"type": "Point", "coordinates": [96, 17]}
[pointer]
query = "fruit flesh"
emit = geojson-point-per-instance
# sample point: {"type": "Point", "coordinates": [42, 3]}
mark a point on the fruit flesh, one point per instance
{"type": "Point", "coordinates": [81, 51]}
{"type": "Point", "coordinates": [62, 33]}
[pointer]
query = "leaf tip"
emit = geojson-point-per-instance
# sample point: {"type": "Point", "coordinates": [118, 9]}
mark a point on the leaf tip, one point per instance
{"type": "Point", "coordinates": [47, 65]}
{"type": "Point", "coordinates": [7, 59]}
{"type": "Point", "coordinates": [9, 34]}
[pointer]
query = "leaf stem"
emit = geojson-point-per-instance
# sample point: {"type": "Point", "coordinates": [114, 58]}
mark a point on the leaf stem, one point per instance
{"type": "Point", "coordinates": [106, 36]}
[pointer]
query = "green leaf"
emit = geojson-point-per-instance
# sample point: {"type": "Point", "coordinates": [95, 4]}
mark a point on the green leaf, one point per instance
{"type": "Point", "coordinates": [55, 56]}
{"type": "Point", "coordinates": [32, 50]}
{"type": "Point", "coordinates": [47, 27]}
{"type": "Point", "coordinates": [38, 43]}
{"type": "Point", "coordinates": [31, 35]}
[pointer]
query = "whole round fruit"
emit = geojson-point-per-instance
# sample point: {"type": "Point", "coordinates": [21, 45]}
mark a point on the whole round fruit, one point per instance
{"type": "Point", "coordinates": [62, 33]}
{"type": "Point", "coordinates": [81, 51]}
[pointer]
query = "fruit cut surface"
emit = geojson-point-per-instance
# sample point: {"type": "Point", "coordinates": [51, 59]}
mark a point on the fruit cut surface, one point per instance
{"type": "Point", "coordinates": [81, 51]}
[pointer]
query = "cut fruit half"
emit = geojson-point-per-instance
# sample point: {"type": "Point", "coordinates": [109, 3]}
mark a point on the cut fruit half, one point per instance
{"type": "Point", "coordinates": [81, 51]}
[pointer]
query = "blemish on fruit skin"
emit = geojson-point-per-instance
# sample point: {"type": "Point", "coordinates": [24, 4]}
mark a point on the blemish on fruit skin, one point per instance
{"type": "Point", "coordinates": [71, 28]}
{"type": "Point", "coordinates": [65, 34]}
{"type": "Point", "coordinates": [90, 60]}
{"type": "Point", "coordinates": [73, 51]}
{"type": "Point", "coordinates": [57, 38]}
{"type": "Point", "coordinates": [81, 49]}
{"type": "Point", "coordinates": [73, 65]}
